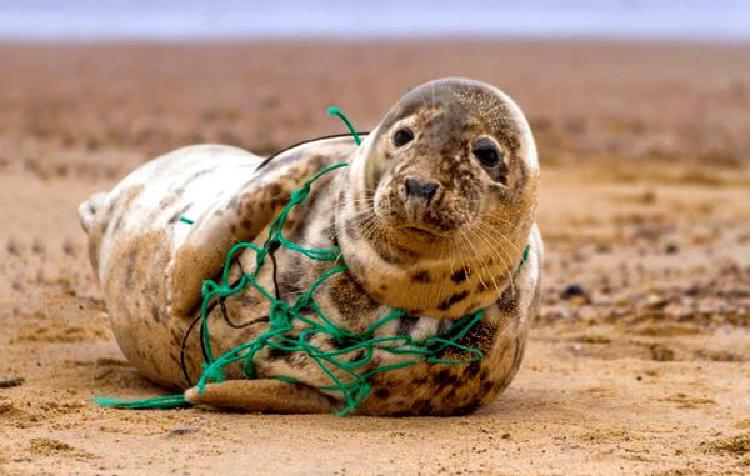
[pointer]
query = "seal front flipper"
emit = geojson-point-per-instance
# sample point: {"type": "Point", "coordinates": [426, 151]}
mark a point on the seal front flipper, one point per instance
{"type": "Point", "coordinates": [201, 252]}
{"type": "Point", "coordinates": [88, 210]}
{"type": "Point", "coordinates": [267, 396]}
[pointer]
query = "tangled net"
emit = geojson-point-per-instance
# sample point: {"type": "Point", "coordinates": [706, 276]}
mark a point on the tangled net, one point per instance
{"type": "Point", "coordinates": [283, 336]}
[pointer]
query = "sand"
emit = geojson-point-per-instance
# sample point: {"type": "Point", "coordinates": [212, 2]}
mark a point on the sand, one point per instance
{"type": "Point", "coordinates": [638, 363]}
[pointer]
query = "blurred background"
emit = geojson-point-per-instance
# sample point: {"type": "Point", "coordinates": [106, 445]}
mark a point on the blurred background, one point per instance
{"type": "Point", "coordinates": [641, 113]}
{"type": "Point", "coordinates": [223, 19]}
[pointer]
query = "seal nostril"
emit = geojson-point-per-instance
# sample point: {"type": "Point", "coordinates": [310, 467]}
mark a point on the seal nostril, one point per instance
{"type": "Point", "coordinates": [420, 189]}
{"type": "Point", "coordinates": [429, 189]}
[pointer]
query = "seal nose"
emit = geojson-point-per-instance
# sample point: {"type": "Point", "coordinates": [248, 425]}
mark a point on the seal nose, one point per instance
{"type": "Point", "coordinates": [418, 188]}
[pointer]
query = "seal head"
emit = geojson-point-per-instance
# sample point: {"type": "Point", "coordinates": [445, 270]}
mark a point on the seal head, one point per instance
{"type": "Point", "coordinates": [437, 205]}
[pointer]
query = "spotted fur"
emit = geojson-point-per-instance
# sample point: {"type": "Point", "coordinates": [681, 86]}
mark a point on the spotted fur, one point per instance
{"type": "Point", "coordinates": [438, 257]}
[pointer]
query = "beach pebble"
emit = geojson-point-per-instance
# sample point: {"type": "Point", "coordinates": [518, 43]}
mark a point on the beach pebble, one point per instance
{"type": "Point", "coordinates": [661, 353]}
{"type": "Point", "coordinates": [572, 291]}
{"type": "Point", "coordinates": [7, 382]}
{"type": "Point", "coordinates": [183, 430]}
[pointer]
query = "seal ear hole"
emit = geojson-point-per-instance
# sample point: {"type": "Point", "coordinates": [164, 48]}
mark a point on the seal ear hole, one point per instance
{"type": "Point", "coordinates": [403, 136]}
{"type": "Point", "coordinates": [492, 158]}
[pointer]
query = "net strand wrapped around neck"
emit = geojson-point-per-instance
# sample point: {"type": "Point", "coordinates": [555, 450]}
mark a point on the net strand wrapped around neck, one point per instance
{"type": "Point", "coordinates": [350, 377]}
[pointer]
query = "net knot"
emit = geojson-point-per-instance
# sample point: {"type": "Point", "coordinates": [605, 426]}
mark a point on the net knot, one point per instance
{"type": "Point", "coordinates": [280, 314]}
{"type": "Point", "coordinates": [299, 195]}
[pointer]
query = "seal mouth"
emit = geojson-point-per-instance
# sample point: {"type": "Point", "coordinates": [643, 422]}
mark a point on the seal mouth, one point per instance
{"type": "Point", "coordinates": [420, 231]}
{"type": "Point", "coordinates": [423, 231]}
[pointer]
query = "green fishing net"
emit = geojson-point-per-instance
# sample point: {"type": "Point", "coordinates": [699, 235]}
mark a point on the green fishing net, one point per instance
{"type": "Point", "coordinates": [291, 324]}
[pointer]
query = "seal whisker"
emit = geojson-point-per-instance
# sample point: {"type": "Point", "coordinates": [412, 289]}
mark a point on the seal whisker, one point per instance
{"type": "Point", "coordinates": [516, 248]}
{"type": "Point", "coordinates": [507, 261]}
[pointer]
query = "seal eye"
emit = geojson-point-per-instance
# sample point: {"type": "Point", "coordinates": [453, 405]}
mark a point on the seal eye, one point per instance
{"type": "Point", "coordinates": [402, 137]}
{"type": "Point", "coordinates": [491, 158]}
{"type": "Point", "coordinates": [486, 152]}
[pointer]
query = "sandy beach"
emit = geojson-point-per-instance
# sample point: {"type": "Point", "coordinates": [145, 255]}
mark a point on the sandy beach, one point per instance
{"type": "Point", "coordinates": [639, 362]}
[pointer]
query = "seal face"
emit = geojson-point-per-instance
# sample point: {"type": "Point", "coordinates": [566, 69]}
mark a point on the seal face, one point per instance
{"type": "Point", "coordinates": [432, 216]}
{"type": "Point", "coordinates": [443, 198]}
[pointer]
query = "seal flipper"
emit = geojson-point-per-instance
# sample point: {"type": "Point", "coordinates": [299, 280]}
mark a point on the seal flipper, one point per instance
{"type": "Point", "coordinates": [266, 396]}
{"type": "Point", "coordinates": [203, 252]}
{"type": "Point", "coordinates": [241, 217]}
{"type": "Point", "coordinates": [88, 210]}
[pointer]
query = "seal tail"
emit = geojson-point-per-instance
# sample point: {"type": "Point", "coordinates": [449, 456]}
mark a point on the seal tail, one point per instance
{"type": "Point", "coordinates": [89, 209]}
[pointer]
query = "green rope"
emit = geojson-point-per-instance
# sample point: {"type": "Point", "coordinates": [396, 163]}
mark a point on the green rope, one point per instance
{"type": "Point", "coordinates": [186, 220]}
{"type": "Point", "coordinates": [335, 111]}
{"type": "Point", "coordinates": [166, 402]}
{"type": "Point", "coordinates": [349, 374]}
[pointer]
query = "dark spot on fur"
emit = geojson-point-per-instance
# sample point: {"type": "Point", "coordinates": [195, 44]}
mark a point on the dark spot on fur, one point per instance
{"type": "Point", "coordinates": [195, 176]}
{"type": "Point", "coordinates": [246, 224]}
{"type": "Point", "coordinates": [473, 369]}
{"type": "Point", "coordinates": [466, 409]}
{"type": "Point", "coordinates": [132, 259]}
{"type": "Point", "coordinates": [421, 407]}
{"type": "Point", "coordinates": [176, 215]}
{"type": "Point", "coordinates": [349, 228]}
{"type": "Point", "coordinates": [155, 313]}
{"type": "Point", "coordinates": [460, 275]}
{"type": "Point", "coordinates": [382, 393]}
{"type": "Point", "coordinates": [481, 336]}
{"type": "Point", "coordinates": [421, 276]}
{"type": "Point", "coordinates": [445, 378]}
{"type": "Point", "coordinates": [118, 224]}
{"type": "Point", "coordinates": [456, 298]}
{"type": "Point", "coordinates": [167, 201]}
{"type": "Point", "coordinates": [508, 302]}
{"type": "Point", "coordinates": [484, 286]}
{"type": "Point", "coordinates": [385, 254]}
{"type": "Point", "coordinates": [518, 356]}
{"type": "Point", "coordinates": [275, 190]}
{"type": "Point", "coordinates": [350, 299]}
{"type": "Point", "coordinates": [406, 324]}
{"type": "Point", "coordinates": [232, 203]}
{"type": "Point", "coordinates": [487, 386]}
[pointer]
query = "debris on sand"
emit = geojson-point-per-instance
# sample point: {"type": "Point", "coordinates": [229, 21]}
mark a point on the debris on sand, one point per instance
{"type": "Point", "coordinates": [7, 382]}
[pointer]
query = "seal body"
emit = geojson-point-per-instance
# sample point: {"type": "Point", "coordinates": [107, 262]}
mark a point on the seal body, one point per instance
{"type": "Point", "coordinates": [436, 257]}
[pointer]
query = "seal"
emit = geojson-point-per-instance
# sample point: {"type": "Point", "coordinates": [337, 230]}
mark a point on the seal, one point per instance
{"type": "Point", "coordinates": [433, 215]}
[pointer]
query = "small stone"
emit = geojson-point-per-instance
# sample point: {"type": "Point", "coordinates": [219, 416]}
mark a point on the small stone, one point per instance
{"type": "Point", "coordinates": [7, 382]}
{"type": "Point", "coordinates": [37, 247]}
{"type": "Point", "coordinates": [656, 302]}
{"type": "Point", "coordinates": [185, 430]}
{"type": "Point", "coordinates": [661, 353]}
{"type": "Point", "coordinates": [69, 248]}
{"type": "Point", "coordinates": [572, 290]}
{"type": "Point", "coordinates": [672, 249]}
{"type": "Point", "coordinates": [692, 291]}
{"type": "Point", "coordinates": [13, 247]}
